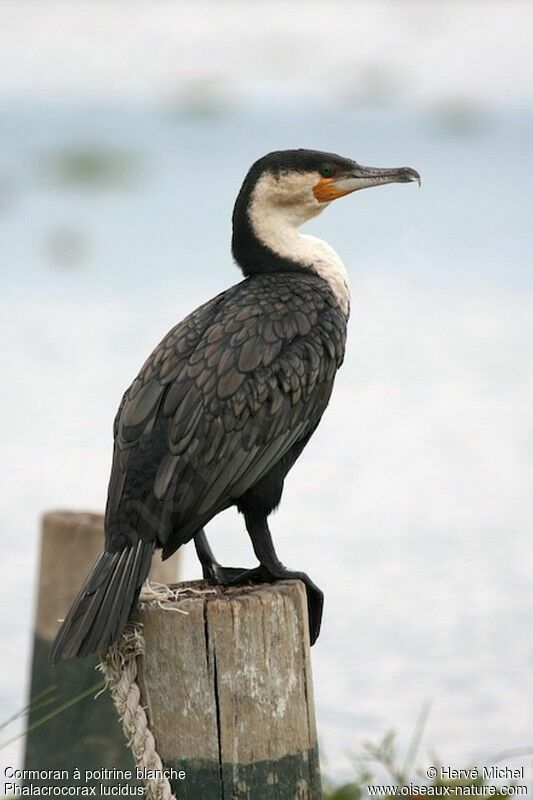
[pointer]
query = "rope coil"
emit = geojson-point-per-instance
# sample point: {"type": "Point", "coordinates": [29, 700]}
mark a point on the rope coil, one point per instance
{"type": "Point", "coordinates": [119, 666]}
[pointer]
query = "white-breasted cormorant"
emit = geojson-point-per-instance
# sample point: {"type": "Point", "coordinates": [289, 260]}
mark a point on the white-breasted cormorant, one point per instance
{"type": "Point", "coordinates": [227, 401]}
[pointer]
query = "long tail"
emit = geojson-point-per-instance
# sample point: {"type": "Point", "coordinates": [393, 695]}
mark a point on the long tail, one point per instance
{"type": "Point", "coordinates": [101, 610]}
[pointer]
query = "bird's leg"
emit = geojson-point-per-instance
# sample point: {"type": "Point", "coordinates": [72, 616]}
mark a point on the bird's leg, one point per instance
{"type": "Point", "coordinates": [271, 569]}
{"type": "Point", "coordinates": [211, 569]}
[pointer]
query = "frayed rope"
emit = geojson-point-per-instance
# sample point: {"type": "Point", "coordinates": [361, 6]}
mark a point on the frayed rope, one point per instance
{"type": "Point", "coordinates": [119, 667]}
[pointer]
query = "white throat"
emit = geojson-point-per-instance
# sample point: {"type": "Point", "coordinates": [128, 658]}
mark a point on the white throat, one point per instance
{"type": "Point", "coordinates": [277, 208]}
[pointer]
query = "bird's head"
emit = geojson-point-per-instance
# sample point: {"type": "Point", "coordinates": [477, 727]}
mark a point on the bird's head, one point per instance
{"type": "Point", "coordinates": [286, 188]}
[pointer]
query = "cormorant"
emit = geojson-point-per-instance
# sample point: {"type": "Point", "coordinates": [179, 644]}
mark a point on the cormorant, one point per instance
{"type": "Point", "coordinates": [228, 400]}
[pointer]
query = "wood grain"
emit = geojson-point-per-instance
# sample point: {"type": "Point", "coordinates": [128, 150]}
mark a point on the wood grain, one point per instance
{"type": "Point", "coordinates": [229, 693]}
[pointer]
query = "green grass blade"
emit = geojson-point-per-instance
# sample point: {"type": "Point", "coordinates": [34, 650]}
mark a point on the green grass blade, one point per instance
{"type": "Point", "coordinates": [36, 702]}
{"type": "Point", "coordinates": [54, 713]}
{"type": "Point", "coordinates": [416, 738]}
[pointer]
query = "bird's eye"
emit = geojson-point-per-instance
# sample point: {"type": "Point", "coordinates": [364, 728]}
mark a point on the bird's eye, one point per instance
{"type": "Point", "coordinates": [326, 171]}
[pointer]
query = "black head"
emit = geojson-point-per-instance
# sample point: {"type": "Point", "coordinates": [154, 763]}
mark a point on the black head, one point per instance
{"type": "Point", "coordinates": [310, 161]}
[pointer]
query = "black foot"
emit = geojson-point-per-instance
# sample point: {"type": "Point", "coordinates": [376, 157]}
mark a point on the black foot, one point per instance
{"type": "Point", "coordinates": [315, 598]}
{"type": "Point", "coordinates": [222, 576]}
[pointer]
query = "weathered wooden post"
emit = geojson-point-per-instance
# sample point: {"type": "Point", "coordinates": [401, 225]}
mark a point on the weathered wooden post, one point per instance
{"type": "Point", "coordinates": [228, 693]}
{"type": "Point", "coordinates": [87, 734]}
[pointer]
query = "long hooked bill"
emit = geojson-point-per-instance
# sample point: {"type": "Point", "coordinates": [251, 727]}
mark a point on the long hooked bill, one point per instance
{"type": "Point", "coordinates": [362, 178]}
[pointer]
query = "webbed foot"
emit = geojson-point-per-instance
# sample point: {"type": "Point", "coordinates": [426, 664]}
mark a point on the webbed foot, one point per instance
{"type": "Point", "coordinates": [272, 573]}
{"type": "Point", "coordinates": [222, 576]}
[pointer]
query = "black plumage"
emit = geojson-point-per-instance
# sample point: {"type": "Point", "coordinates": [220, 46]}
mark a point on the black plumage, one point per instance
{"type": "Point", "coordinates": [217, 416]}
{"type": "Point", "coordinates": [227, 399]}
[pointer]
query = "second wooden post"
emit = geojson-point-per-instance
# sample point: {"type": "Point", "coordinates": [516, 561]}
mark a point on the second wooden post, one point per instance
{"type": "Point", "coordinates": [85, 734]}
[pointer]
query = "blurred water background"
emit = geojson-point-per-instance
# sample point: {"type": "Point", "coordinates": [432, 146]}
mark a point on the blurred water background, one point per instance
{"type": "Point", "coordinates": [125, 131]}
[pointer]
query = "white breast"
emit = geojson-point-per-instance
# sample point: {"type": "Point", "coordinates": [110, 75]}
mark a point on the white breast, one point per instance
{"type": "Point", "coordinates": [277, 210]}
{"type": "Point", "coordinates": [327, 263]}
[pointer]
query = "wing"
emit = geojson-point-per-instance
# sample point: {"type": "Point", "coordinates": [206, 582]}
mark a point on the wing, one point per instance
{"type": "Point", "coordinates": [220, 401]}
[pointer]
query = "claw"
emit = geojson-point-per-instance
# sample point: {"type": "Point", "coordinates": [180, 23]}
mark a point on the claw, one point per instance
{"type": "Point", "coordinates": [315, 597]}
{"type": "Point", "coordinates": [222, 576]}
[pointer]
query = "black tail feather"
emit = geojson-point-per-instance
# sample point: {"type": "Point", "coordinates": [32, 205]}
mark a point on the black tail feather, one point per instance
{"type": "Point", "coordinates": [106, 600]}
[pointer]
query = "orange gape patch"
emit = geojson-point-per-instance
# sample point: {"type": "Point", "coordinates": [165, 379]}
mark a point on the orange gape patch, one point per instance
{"type": "Point", "coordinates": [325, 190]}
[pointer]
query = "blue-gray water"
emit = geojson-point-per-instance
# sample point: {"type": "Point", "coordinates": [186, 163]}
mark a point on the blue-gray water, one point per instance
{"type": "Point", "coordinates": [412, 506]}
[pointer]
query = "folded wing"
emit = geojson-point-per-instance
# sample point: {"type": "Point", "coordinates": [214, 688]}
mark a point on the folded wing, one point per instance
{"type": "Point", "coordinates": [219, 402]}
